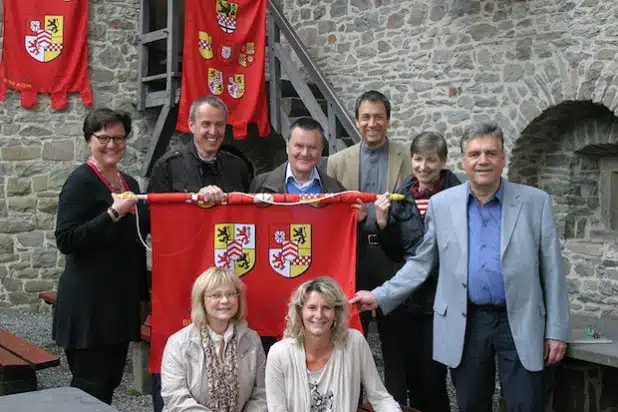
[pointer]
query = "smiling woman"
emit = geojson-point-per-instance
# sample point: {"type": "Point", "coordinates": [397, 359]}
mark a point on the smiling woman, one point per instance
{"type": "Point", "coordinates": [95, 229]}
{"type": "Point", "coordinates": [320, 364]}
{"type": "Point", "coordinates": [216, 363]}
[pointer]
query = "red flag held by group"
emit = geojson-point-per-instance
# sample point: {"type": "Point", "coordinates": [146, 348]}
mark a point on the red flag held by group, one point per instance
{"type": "Point", "coordinates": [272, 248]}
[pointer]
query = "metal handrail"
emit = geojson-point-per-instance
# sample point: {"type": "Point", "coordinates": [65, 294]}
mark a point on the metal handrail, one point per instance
{"type": "Point", "coordinates": [335, 107]}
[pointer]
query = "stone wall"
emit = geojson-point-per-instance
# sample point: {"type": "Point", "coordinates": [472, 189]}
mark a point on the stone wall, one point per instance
{"type": "Point", "coordinates": [40, 147]}
{"type": "Point", "coordinates": [561, 152]}
{"type": "Point", "coordinates": [445, 63]}
{"type": "Point", "coordinates": [533, 66]}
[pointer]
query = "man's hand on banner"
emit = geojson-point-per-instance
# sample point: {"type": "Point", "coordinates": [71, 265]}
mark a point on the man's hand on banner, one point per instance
{"type": "Point", "coordinates": [362, 210]}
{"type": "Point", "coordinates": [364, 300]}
{"type": "Point", "coordinates": [383, 206]}
{"type": "Point", "coordinates": [212, 194]}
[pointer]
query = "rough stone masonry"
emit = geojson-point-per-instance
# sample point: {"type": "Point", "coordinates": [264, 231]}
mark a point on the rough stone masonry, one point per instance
{"type": "Point", "coordinates": [544, 69]}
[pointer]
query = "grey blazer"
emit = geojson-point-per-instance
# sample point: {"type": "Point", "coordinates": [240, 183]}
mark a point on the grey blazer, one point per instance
{"type": "Point", "coordinates": [535, 285]}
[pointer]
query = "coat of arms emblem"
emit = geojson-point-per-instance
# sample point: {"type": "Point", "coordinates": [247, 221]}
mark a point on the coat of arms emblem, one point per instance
{"type": "Point", "coordinates": [215, 81]}
{"type": "Point", "coordinates": [44, 37]}
{"type": "Point", "coordinates": [226, 15]}
{"type": "Point", "coordinates": [236, 86]}
{"type": "Point", "coordinates": [290, 249]}
{"type": "Point", "coordinates": [247, 54]}
{"type": "Point", "coordinates": [205, 45]}
{"type": "Point", "coordinates": [235, 247]}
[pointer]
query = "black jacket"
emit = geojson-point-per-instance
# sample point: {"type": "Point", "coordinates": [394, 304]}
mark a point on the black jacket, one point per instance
{"type": "Point", "coordinates": [404, 232]}
{"type": "Point", "coordinates": [182, 170]}
{"type": "Point", "coordinates": [274, 182]}
{"type": "Point", "coordinates": [104, 279]}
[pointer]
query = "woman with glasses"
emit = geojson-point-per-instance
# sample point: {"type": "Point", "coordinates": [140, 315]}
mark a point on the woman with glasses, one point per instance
{"type": "Point", "coordinates": [216, 363]}
{"type": "Point", "coordinates": [97, 311]}
{"type": "Point", "coordinates": [320, 364]}
{"type": "Point", "coordinates": [400, 233]}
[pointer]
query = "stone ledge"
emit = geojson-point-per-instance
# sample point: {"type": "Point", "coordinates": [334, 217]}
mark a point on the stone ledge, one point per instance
{"type": "Point", "coordinates": [599, 353]}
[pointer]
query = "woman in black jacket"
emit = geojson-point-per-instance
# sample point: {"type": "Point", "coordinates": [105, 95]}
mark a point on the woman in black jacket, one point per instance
{"type": "Point", "coordinates": [400, 232]}
{"type": "Point", "coordinates": [98, 307]}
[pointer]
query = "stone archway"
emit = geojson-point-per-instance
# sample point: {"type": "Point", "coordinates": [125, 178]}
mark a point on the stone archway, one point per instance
{"type": "Point", "coordinates": [571, 152]}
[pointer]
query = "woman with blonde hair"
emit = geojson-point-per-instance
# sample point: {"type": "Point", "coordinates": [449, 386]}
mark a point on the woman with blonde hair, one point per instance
{"type": "Point", "coordinates": [216, 363]}
{"type": "Point", "coordinates": [320, 364]}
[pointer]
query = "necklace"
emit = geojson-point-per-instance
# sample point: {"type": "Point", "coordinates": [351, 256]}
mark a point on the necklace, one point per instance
{"type": "Point", "coordinates": [119, 188]}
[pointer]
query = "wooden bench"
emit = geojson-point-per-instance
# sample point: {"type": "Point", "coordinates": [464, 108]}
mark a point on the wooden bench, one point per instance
{"type": "Point", "coordinates": [19, 359]}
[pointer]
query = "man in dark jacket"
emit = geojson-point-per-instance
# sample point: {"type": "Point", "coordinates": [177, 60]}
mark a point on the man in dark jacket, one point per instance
{"type": "Point", "coordinates": [203, 167]}
{"type": "Point", "coordinates": [300, 173]}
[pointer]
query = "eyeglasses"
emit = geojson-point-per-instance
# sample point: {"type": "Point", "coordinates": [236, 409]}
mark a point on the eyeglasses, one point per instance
{"type": "Point", "coordinates": [219, 295]}
{"type": "Point", "coordinates": [104, 139]}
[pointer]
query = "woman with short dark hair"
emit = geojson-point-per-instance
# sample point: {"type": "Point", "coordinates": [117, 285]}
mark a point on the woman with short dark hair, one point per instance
{"type": "Point", "coordinates": [97, 311]}
{"type": "Point", "coordinates": [400, 232]}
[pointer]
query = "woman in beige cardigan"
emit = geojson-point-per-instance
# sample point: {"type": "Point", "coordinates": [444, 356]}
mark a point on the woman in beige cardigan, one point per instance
{"type": "Point", "coordinates": [320, 365]}
{"type": "Point", "coordinates": [216, 363]}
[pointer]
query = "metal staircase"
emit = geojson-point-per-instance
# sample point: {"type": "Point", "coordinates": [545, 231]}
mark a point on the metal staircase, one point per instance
{"type": "Point", "coordinates": [160, 53]}
{"type": "Point", "coordinates": [291, 96]}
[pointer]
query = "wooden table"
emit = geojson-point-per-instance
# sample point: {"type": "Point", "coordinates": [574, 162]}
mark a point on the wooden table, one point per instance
{"type": "Point", "coordinates": [54, 400]}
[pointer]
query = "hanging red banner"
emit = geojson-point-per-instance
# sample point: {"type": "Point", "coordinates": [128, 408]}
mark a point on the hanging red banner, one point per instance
{"type": "Point", "coordinates": [272, 248]}
{"type": "Point", "coordinates": [224, 56]}
{"type": "Point", "coordinates": [45, 50]}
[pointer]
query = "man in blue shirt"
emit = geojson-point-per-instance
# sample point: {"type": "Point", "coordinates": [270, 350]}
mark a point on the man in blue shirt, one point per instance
{"type": "Point", "coordinates": [501, 285]}
{"type": "Point", "coordinates": [300, 173]}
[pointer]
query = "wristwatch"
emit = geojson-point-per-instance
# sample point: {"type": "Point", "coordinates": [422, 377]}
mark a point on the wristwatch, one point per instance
{"type": "Point", "coordinates": [114, 213]}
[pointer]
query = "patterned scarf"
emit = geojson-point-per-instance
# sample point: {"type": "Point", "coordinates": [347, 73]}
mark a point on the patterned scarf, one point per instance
{"type": "Point", "coordinates": [221, 375]}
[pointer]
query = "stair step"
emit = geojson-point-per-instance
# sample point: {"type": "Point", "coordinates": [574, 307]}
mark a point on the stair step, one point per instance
{"type": "Point", "coordinates": [294, 107]}
{"type": "Point", "coordinates": [158, 77]}
{"type": "Point", "coordinates": [287, 89]}
{"type": "Point", "coordinates": [153, 36]}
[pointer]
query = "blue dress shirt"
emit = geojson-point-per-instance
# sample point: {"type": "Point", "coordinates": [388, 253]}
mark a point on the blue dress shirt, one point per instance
{"type": "Point", "coordinates": [312, 186]}
{"type": "Point", "coordinates": [485, 281]}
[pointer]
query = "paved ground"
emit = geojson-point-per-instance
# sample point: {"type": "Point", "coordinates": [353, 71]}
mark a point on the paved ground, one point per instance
{"type": "Point", "coordinates": [36, 327]}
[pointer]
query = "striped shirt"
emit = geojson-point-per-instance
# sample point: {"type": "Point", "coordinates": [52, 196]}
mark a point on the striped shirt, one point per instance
{"type": "Point", "coordinates": [422, 205]}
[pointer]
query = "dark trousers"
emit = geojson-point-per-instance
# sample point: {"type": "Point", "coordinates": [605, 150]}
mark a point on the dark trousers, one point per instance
{"type": "Point", "coordinates": [98, 370]}
{"type": "Point", "coordinates": [157, 400]}
{"type": "Point", "coordinates": [411, 375]}
{"type": "Point", "coordinates": [488, 336]}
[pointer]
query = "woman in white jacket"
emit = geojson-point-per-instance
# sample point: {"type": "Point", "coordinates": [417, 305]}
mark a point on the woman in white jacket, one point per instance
{"type": "Point", "coordinates": [216, 363]}
{"type": "Point", "coordinates": [320, 365]}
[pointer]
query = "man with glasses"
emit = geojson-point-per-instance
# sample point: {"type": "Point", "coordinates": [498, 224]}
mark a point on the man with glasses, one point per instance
{"type": "Point", "coordinates": [201, 167]}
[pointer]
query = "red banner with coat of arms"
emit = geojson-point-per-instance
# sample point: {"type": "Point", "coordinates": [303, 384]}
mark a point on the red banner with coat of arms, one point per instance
{"type": "Point", "coordinates": [45, 50]}
{"type": "Point", "coordinates": [273, 249]}
{"type": "Point", "coordinates": [223, 56]}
